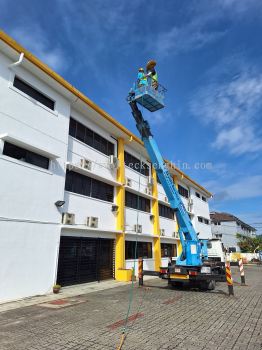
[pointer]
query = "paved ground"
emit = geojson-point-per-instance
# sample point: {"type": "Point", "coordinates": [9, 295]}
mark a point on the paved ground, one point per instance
{"type": "Point", "coordinates": [167, 319]}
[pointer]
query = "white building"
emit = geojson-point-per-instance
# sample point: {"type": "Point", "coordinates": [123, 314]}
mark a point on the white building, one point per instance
{"type": "Point", "coordinates": [74, 199]}
{"type": "Point", "coordinates": [226, 226]}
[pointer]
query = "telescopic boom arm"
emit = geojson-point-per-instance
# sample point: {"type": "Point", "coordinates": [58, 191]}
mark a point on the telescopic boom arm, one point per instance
{"type": "Point", "coordinates": [191, 246]}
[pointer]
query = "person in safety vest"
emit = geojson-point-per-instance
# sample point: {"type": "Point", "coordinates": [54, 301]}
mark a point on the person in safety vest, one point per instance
{"type": "Point", "coordinates": [152, 73]}
{"type": "Point", "coordinates": [141, 78]}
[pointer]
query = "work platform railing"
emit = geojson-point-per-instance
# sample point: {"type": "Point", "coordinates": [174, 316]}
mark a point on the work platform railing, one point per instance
{"type": "Point", "coordinates": [150, 95]}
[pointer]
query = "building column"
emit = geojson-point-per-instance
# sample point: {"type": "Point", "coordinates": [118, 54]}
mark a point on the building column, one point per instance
{"type": "Point", "coordinates": [156, 226]}
{"type": "Point", "coordinates": [120, 216]}
{"type": "Point", "coordinates": [179, 245]}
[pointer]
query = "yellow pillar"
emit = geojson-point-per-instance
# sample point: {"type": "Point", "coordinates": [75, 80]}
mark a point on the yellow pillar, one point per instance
{"type": "Point", "coordinates": [179, 245]}
{"type": "Point", "coordinates": [156, 226]}
{"type": "Point", "coordinates": [120, 273]}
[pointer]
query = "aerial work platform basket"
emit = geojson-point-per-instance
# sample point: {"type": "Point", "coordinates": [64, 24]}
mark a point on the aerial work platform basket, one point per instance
{"type": "Point", "coordinates": [148, 96]}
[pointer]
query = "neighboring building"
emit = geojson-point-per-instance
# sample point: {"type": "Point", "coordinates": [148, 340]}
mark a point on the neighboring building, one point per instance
{"type": "Point", "coordinates": [57, 146]}
{"type": "Point", "coordinates": [226, 226]}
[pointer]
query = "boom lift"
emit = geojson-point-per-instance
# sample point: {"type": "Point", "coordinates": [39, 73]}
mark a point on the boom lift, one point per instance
{"type": "Point", "coordinates": [192, 266]}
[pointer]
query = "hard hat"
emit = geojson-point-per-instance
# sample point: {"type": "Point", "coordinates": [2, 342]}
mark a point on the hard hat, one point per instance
{"type": "Point", "coordinates": [150, 64]}
{"type": "Point", "coordinates": [141, 69]}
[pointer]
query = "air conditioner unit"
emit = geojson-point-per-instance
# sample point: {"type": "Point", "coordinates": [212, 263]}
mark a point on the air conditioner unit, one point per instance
{"type": "Point", "coordinates": [86, 164]}
{"type": "Point", "coordinates": [162, 232]}
{"type": "Point", "coordinates": [148, 191]}
{"type": "Point", "coordinates": [113, 162]}
{"type": "Point", "coordinates": [92, 221]}
{"type": "Point", "coordinates": [166, 199]}
{"type": "Point", "coordinates": [138, 228]}
{"type": "Point", "coordinates": [190, 201]}
{"type": "Point", "coordinates": [176, 235]}
{"type": "Point", "coordinates": [150, 181]}
{"type": "Point", "coordinates": [128, 182]}
{"type": "Point", "coordinates": [68, 219]}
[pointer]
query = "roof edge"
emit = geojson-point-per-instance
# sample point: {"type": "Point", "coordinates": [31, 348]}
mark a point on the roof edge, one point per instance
{"type": "Point", "coordinates": [229, 217]}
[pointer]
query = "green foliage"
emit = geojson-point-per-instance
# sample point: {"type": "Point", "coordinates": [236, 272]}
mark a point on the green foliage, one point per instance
{"type": "Point", "coordinates": [57, 286]}
{"type": "Point", "coordinates": [249, 244]}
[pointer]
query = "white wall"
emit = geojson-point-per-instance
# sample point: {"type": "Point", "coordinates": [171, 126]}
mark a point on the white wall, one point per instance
{"type": "Point", "coordinates": [83, 207]}
{"type": "Point", "coordinates": [161, 193]}
{"type": "Point", "coordinates": [78, 150]}
{"type": "Point", "coordinates": [168, 225]}
{"type": "Point", "coordinates": [83, 232]}
{"type": "Point", "coordinates": [35, 125]}
{"type": "Point", "coordinates": [228, 230]}
{"type": "Point", "coordinates": [200, 208]}
{"type": "Point", "coordinates": [148, 264]}
{"type": "Point", "coordinates": [139, 181]}
{"type": "Point", "coordinates": [133, 216]}
{"type": "Point", "coordinates": [28, 259]}
{"type": "Point", "coordinates": [28, 193]}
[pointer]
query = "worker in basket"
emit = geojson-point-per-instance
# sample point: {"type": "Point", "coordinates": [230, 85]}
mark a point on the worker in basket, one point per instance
{"type": "Point", "coordinates": [141, 78]}
{"type": "Point", "coordinates": [152, 73]}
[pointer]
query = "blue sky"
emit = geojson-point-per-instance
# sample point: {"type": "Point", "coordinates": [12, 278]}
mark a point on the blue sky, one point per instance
{"type": "Point", "coordinates": [209, 56]}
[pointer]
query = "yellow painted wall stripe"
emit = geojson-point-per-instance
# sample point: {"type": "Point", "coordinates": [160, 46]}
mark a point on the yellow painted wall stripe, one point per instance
{"type": "Point", "coordinates": [156, 226]}
{"type": "Point", "coordinates": [120, 202]}
{"type": "Point", "coordinates": [179, 245]}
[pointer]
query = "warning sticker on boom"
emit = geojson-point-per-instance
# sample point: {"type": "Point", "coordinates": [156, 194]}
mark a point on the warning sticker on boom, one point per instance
{"type": "Point", "coordinates": [193, 249]}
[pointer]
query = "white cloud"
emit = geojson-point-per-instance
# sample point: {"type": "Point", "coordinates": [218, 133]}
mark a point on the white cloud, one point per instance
{"type": "Point", "coordinates": [158, 118]}
{"type": "Point", "coordinates": [190, 36]}
{"type": "Point", "coordinates": [204, 25]}
{"type": "Point", "coordinates": [239, 140]}
{"type": "Point", "coordinates": [233, 109]}
{"type": "Point", "coordinates": [36, 42]}
{"type": "Point", "coordinates": [239, 6]}
{"type": "Point", "coordinates": [246, 187]}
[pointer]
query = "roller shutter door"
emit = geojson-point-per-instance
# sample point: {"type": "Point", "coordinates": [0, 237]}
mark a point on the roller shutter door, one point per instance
{"type": "Point", "coordinates": [84, 260]}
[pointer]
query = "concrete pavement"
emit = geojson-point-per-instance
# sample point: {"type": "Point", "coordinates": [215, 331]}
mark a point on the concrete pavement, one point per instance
{"type": "Point", "coordinates": [160, 318]}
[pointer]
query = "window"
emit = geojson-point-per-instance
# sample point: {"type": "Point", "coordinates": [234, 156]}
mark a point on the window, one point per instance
{"type": "Point", "coordinates": [168, 250]}
{"type": "Point", "coordinates": [166, 211]}
{"type": "Point", "coordinates": [81, 184]}
{"type": "Point", "coordinates": [137, 202]}
{"type": "Point", "coordinates": [90, 138]}
{"type": "Point", "coordinates": [102, 191]}
{"type": "Point", "coordinates": [183, 191]}
{"type": "Point", "coordinates": [232, 249]}
{"type": "Point", "coordinates": [34, 93]}
{"type": "Point", "coordinates": [24, 155]}
{"type": "Point", "coordinates": [134, 250]}
{"type": "Point", "coordinates": [203, 220]}
{"type": "Point", "coordinates": [198, 195]}
{"type": "Point", "coordinates": [204, 199]}
{"type": "Point", "coordinates": [135, 164]}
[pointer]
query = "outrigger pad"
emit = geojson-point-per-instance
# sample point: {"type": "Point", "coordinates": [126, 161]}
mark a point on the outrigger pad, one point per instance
{"type": "Point", "coordinates": [149, 101]}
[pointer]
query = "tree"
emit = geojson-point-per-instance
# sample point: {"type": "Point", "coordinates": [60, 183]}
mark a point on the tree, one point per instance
{"type": "Point", "coordinates": [249, 244]}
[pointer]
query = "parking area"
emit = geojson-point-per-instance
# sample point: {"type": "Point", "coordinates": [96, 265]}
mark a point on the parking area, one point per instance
{"type": "Point", "coordinates": [159, 318]}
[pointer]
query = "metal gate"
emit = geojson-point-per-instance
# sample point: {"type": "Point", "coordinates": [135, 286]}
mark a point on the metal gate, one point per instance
{"type": "Point", "coordinates": [84, 260]}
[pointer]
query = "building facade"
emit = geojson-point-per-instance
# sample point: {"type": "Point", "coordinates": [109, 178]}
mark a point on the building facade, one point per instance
{"type": "Point", "coordinates": [226, 226]}
{"type": "Point", "coordinates": [79, 197]}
